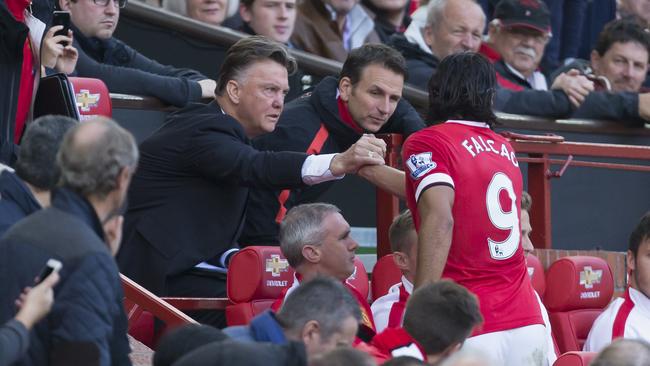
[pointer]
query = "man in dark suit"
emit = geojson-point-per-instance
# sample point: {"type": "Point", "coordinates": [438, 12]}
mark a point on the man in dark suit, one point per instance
{"type": "Point", "coordinates": [87, 325]}
{"type": "Point", "coordinates": [188, 198]}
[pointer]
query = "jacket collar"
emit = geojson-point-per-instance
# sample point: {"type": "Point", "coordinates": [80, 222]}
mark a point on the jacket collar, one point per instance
{"type": "Point", "coordinates": [265, 328]}
{"type": "Point", "coordinates": [76, 205]}
{"type": "Point", "coordinates": [324, 101]}
{"type": "Point", "coordinates": [11, 186]}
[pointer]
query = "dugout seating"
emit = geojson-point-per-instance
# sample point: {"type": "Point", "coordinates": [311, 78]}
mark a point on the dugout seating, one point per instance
{"type": "Point", "coordinates": [359, 278]}
{"type": "Point", "coordinates": [384, 275]}
{"type": "Point", "coordinates": [575, 359]}
{"type": "Point", "coordinates": [92, 97]}
{"type": "Point", "coordinates": [536, 273]}
{"type": "Point", "coordinates": [257, 276]}
{"type": "Point", "coordinates": [578, 288]}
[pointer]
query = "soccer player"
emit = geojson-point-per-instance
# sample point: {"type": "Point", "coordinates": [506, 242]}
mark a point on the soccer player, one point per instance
{"type": "Point", "coordinates": [463, 186]}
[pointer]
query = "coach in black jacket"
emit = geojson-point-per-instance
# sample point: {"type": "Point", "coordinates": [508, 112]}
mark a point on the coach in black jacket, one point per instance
{"type": "Point", "coordinates": [365, 99]}
{"type": "Point", "coordinates": [188, 197]}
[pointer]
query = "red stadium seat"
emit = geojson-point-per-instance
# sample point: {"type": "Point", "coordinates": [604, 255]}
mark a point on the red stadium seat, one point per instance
{"type": "Point", "coordinates": [384, 275]}
{"type": "Point", "coordinates": [536, 273]}
{"type": "Point", "coordinates": [359, 278]}
{"type": "Point", "coordinates": [257, 276]}
{"type": "Point", "coordinates": [575, 359]}
{"type": "Point", "coordinates": [93, 98]}
{"type": "Point", "coordinates": [578, 288]}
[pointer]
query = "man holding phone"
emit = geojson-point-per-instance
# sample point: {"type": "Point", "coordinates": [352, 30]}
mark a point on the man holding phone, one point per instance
{"type": "Point", "coordinates": [88, 325]}
{"type": "Point", "coordinates": [122, 68]}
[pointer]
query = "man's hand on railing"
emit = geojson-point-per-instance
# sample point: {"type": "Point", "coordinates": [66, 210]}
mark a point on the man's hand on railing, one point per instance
{"type": "Point", "coordinates": [207, 88]}
{"type": "Point", "coordinates": [574, 85]}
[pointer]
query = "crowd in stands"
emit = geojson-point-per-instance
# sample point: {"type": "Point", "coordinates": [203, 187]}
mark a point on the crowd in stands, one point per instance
{"type": "Point", "coordinates": [247, 157]}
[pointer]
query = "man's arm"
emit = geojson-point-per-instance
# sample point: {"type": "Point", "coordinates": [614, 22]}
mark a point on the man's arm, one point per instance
{"type": "Point", "coordinates": [630, 109]}
{"type": "Point", "coordinates": [385, 177]}
{"type": "Point", "coordinates": [551, 104]}
{"type": "Point", "coordinates": [435, 234]}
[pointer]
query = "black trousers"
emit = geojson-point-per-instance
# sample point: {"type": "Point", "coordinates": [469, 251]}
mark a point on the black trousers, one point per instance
{"type": "Point", "coordinates": [200, 283]}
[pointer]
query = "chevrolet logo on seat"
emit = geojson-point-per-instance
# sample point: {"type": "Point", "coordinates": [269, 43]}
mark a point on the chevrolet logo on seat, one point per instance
{"type": "Point", "coordinates": [86, 100]}
{"type": "Point", "coordinates": [276, 265]}
{"type": "Point", "coordinates": [589, 277]}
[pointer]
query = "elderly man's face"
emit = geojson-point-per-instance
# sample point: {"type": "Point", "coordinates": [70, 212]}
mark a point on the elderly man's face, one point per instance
{"type": "Point", "coordinates": [624, 64]}
{"type": "Point", "coordinates": [460, 29]}
{"type": "Point", "coordinates": [521, 47]}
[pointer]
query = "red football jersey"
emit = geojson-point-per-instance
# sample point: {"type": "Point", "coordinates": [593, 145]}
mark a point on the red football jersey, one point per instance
{"type": "Point", "coordinates": [485, 255]}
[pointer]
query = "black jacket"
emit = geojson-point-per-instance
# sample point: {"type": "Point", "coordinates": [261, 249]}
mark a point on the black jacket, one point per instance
{"type": "Point", "coordinates": [421, 65]}
{"type": "Point", "coordinates": [87, 324]}
{"type": "Point", "coordinates": [248, 354]}
{"type": "Point", "coordinates": [16, 200]}
{"type": "Point", "coordinates": [12, 39]}
{"type": "Point", "coordinates": [297, 128]}
{"type": "Point", "coordinates": [124, 70]}
{"type": "Point", "coordinates": [187, 200]}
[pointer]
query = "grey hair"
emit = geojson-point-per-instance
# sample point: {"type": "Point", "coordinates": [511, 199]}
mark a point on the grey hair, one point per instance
{"type": "Point", "coordinates": [624, 352]}
{"type": "Point", "coordinates": [303, 226]}
{"type": "Point", "coordinates": [322, 299]}
{"type": "Point", "coordinates": [435, 11]}
{"type": "Point", "coordinates": [90, 166]}
{"type": "Point", "coordinates": [180, 7]}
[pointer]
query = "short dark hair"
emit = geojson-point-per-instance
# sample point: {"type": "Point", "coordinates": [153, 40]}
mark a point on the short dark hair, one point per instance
{"type": "Point", "coordinates": [36, 163]}
{"type": "Point", "coordinates": [622, 31]}
{"type": "Point", "coordinates": [640, 233]}
{"type": "Point", "coordinates": [248, 51]}
{"type": "Point", "coordinates": [343, 356]}
{"type": "Point", "coordinates": [399, 230]}
{"type": "Point", "coordinates": [463, 87]}
{"type": "Point", "coordinates": [441, 314]}
{"type": "Point", "coordinates": [181, 341]}
{"type": "Point", "coordinates": [322, 299]}
{"type": "Point", "coordinates": [372, 54]}
{"type": "Point", "coordinates": [246, 3]}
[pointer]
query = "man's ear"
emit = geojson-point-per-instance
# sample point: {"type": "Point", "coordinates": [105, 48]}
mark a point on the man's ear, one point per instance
{"type": "Point", "coordinates": [345, 88]}
{"type": "Point", "coordinates": [245, 13]}
{"type": "Point", "coordinates": [427, 34]}
{"type": "Point", "coordinates": [595, 59]}
{"type": "Point", "coordinates": [124, 177]}
{"type": "Point", "coordinates": [310, 332]}
{"type": "Point", "coordinates": [311, 253]}
{"type": "Point", "coordinates": [64, 4]}
{"type": "Point", "coordinates": [401, 260]}
{"type": "Point", "coordinates": [233, 90]}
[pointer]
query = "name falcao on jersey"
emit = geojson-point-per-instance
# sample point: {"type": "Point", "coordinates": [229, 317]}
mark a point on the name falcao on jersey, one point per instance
{"type": "Point", "coordinates": [476, 145]}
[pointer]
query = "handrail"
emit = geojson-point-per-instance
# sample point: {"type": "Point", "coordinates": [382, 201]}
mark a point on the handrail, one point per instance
{"type": "Point", "coordinates": [319, 66]}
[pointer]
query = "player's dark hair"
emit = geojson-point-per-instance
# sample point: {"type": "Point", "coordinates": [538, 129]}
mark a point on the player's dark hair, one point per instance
{"type": "Point", "coordinates": [463, 87]}
{"type": "Point", "coordinates": [440, 315]}
{"type": "Point", "coordinates": [640, 233]}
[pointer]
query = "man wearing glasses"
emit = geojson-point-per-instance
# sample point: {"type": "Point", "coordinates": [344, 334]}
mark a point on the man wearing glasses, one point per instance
{"type": "Point", "coordinates": [122, 68]}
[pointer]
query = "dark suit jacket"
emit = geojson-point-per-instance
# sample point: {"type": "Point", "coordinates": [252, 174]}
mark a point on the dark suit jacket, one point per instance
{"type": "Point", "coordinates": [187, 200]}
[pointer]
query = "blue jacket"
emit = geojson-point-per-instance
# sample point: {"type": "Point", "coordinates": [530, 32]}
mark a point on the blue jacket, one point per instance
{"type": "Point", "coordinates": [263, 328]}
{"type": "Point", "coordinates": [87, 324]}
{"type": "Point", "coordinates": [16, 200]}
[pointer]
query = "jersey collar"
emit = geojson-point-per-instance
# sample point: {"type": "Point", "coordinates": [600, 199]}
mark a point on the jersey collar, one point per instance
{"type": "Point", "coordinates": [469, 123]}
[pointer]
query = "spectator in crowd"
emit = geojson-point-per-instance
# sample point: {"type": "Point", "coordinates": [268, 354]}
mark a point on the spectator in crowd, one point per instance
{"type": "Point", "coordinates": [207, 11]}
{"type": "Point", "coordinates": [619, 63]}
{"type": "Point", "coordinates": [21, 70]}
{"type": "Point", "coordinates": [527, 245]}
{"type": "Point", "coordinates": [275, 20]}
{"type": "Point", "coordinates": [183, 340]}
{"type": "Point", "coordinates": [639, 9]}
{"type": "Point", "coordinates": [624, 352]}
{"type": "Point", "coordinates": [365, 99]}
{"type": "Point", "coordinates": [29, 188]}
{"type": "Point", "coordinates": [87, 325]}
{"type": "Point", "coordinates": [315, 239]}
{"type": "Point", "coordinates": [34, 304]}
{"type": "Point", "coordinates": [629, 316]}
{"type": "Point", "coordinates": [516, 39]}
{"type": "Point", "coordinates": [332, 28]}
{"type": "Point", "coordinates": [424, 47]}
{"type": "Point", "coordinates": [246, 353]}
{"type": "Point", "coordinates": [567, 23]}
{"type": "Point", "coordinates": [344, 356]}
{"type": "Point", "coordinates": [388, 310]}
{"type": "Point", "coordinates": [320, 313]}
{"type": "Point", "coordinates": [390, 17]}
{"type": "Point", "coordinates": [197, 169]}
{"type": "Point", "coordinates": [122, 68]}
{"type": "Point", "coordinates": [441, 197]}
{"type": "Point", "coordinates": [439, 317]}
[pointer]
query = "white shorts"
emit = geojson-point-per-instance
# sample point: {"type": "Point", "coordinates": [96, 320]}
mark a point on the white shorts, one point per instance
{"type": "Point", "coordinates": [525, 346]}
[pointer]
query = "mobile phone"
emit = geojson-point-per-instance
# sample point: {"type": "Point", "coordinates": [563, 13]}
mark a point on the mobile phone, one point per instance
{"type": "Point", "coordinates": [52, 265]}
{"type": "Point", "coordinates": [61, 18]}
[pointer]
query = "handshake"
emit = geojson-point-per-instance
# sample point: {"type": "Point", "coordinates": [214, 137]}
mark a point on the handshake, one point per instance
{"type": "Point", "coordinates": [368, 150]}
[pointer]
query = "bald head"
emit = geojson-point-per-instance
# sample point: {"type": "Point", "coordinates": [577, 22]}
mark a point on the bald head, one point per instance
{"type": "Point", "coordinates": [454, 26]}
{"type": "Point", "coordinates": [92, 156]}
{"type": "Point", "coordinates": [624, 352]}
